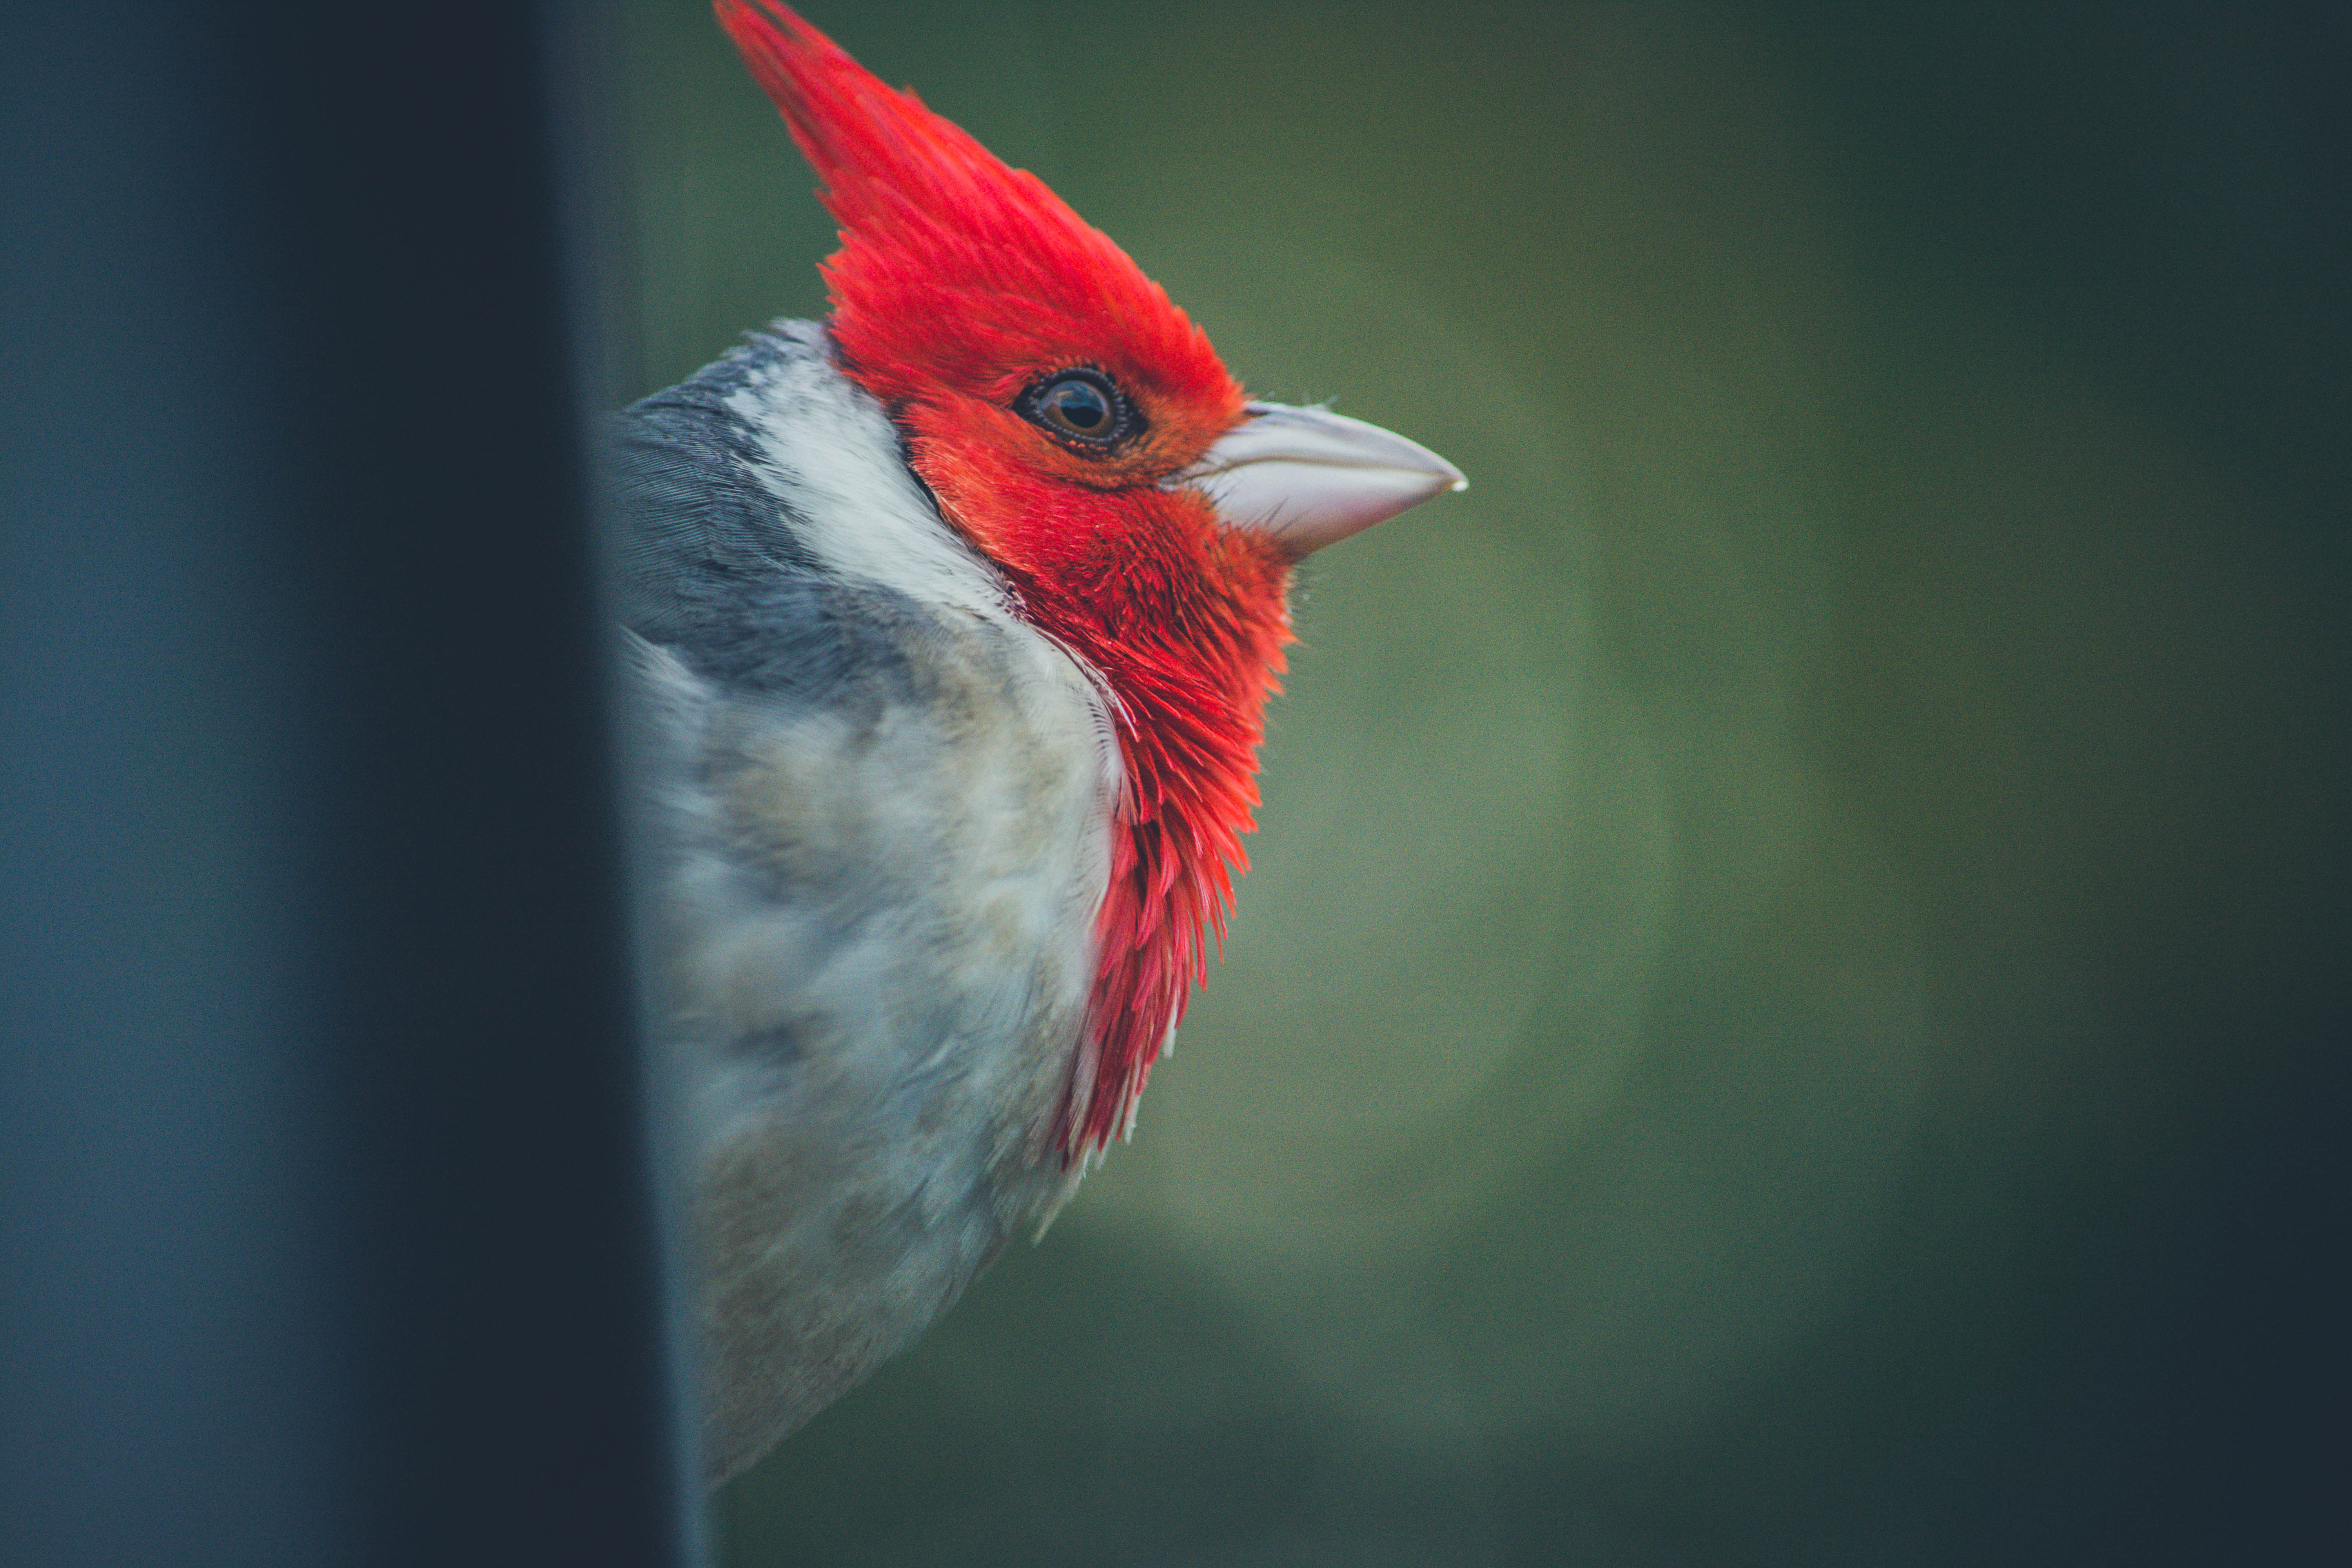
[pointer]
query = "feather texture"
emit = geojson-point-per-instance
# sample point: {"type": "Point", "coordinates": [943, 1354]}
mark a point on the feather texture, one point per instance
{"type": "Point", "coordinates": [953, 680]}
{"type": "Point", "coordinates": [959, 283]}
{"type": "Point", "coordinates": [883, 805]}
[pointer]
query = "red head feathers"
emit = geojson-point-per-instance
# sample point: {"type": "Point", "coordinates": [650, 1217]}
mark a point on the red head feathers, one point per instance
{"type": "Point", "coordinates": [963, 293]}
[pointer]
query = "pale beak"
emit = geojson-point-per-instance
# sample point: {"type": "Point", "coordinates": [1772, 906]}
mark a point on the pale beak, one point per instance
{"type": "Point", "coordinates": [1311, 479]}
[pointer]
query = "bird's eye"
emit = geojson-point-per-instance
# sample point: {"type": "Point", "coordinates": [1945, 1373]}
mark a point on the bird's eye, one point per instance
{"type": "Point", "coordinates": [1081, 406]}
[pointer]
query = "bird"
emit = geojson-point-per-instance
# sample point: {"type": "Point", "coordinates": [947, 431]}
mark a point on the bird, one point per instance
{"type": "Point", "coordinates": [949, 625]}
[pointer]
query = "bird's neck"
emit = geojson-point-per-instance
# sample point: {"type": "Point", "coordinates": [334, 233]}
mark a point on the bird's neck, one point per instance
{"type": "Point", "coordinates": [1190, 694]}
{"type": "Point", "coordinates": [1185, 622]}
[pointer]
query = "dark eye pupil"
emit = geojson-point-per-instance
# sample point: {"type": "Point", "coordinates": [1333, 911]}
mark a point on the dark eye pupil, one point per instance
{"type": "Point", "coordinates": [1078, 406]}
{"type": "Point", "coordinates": [1084, 408]}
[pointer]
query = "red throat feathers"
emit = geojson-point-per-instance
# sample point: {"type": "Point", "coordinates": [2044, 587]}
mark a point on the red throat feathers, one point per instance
{"type": "Point", "coordinates": [959, 284]}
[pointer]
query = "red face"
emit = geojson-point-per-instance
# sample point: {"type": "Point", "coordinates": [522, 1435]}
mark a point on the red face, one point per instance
{"type": "Point", "coordinates": [1052, 458]}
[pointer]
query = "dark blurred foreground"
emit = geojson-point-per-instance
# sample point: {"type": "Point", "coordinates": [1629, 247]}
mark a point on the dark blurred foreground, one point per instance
{"type": "Point", "coordinates": [324, 1212]}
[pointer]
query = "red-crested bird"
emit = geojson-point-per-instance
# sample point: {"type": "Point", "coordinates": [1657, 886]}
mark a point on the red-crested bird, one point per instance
{"type": "Point", "coordinates": [954, 618]}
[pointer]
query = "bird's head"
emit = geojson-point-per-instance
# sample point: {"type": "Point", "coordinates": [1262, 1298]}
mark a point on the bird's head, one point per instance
{"type": "Point", "coordinates": [1077, 428]}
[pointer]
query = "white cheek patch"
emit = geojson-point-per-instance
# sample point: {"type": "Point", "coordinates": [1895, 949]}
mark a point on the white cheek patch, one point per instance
{"type": "Point", "coordinates": [830, 455]}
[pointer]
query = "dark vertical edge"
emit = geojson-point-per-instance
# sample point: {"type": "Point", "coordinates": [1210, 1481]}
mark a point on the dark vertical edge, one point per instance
{"type": "Point", "coordinates": [589, 112]}
{"type": "Point", "coordinates": [326, 1198]}
{"type": "Point", "coordinates": [508, 1308]}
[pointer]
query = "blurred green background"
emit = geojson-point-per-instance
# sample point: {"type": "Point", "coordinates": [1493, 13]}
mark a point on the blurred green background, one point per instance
{"type": "Point", "coordinates": [1791, 1008]}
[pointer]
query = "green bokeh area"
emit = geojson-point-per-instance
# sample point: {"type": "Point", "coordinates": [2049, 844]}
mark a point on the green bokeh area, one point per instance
{"type": "Point", "coordinates": [1790, 1005]}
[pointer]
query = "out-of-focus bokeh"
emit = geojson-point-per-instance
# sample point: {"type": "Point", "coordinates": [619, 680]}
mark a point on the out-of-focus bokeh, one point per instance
{"type": "Point", "coordinates": [1789, 1008]}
